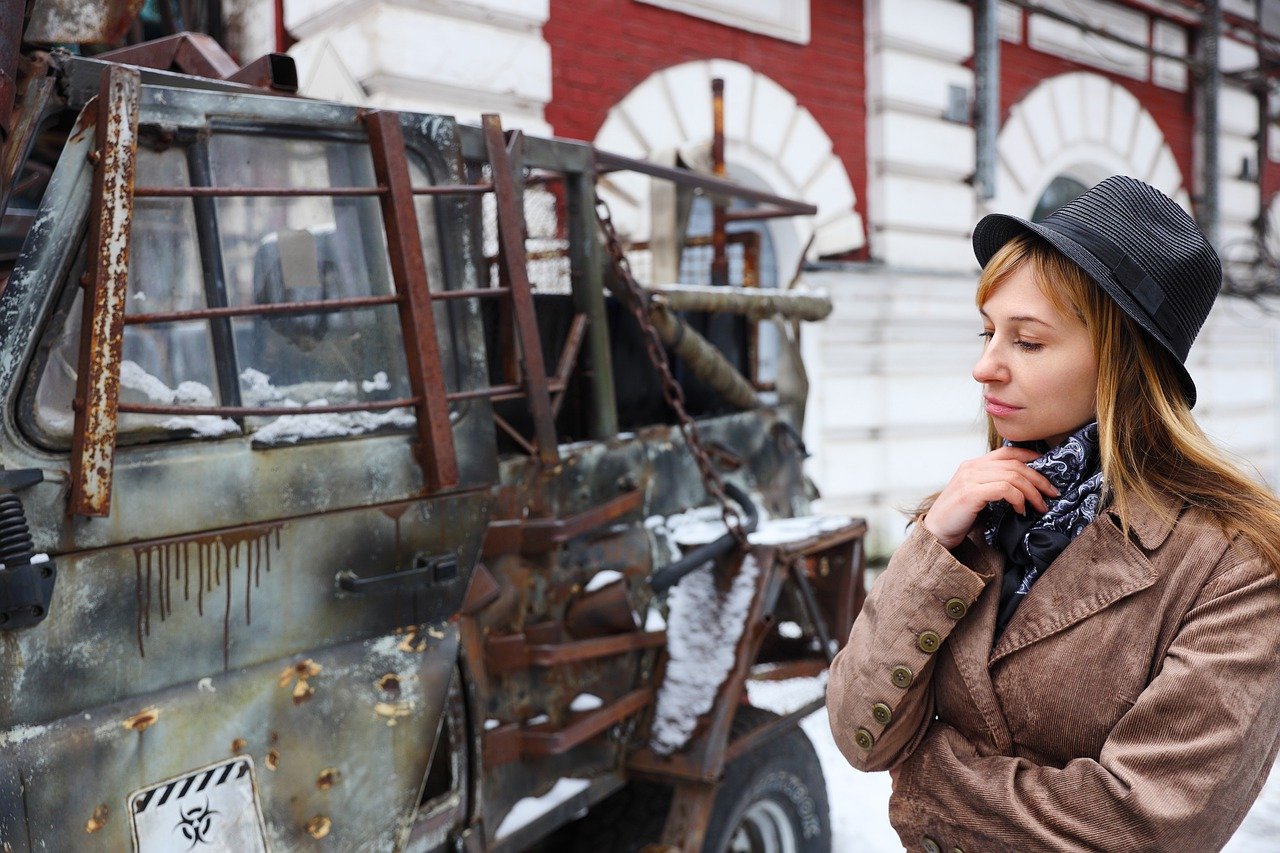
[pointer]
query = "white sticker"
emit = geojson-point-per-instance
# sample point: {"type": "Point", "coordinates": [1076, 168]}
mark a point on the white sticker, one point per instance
{"type": "Point", "coordinates": [210, 810]}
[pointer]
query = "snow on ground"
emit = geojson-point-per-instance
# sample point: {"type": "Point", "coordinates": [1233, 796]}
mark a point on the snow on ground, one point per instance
{"type": "Point", "coordinates": [860, 804]}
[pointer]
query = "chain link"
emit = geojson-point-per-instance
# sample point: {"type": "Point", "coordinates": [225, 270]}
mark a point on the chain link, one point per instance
{"type": "Point", "coordinates": [637, 301]}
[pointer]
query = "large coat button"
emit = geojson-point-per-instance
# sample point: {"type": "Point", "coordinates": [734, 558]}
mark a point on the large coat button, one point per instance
{"type": "Point", "coordinates": [902, 677]}
{"type": "Point", "coordinates": [956, 608]}
{"type": "Point", "coordinates": [929, 641]}
{"type": "Point", "coordinates": [882, 712]}
{"type": "Point", "coordinates": [863, 739]}
{"type": "Point", "coordinates": [931, 846]}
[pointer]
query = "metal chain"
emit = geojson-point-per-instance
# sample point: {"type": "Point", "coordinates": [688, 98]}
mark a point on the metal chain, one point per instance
{"type": "Point", "coordinates": [637, 300]}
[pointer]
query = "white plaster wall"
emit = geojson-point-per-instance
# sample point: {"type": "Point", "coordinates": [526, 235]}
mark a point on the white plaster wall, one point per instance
{"type": "Point", "coordinates": [437, 56]}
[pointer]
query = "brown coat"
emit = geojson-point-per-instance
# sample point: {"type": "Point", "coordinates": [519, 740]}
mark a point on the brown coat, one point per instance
{"type": "Point", "coordinates": [1132, 703]}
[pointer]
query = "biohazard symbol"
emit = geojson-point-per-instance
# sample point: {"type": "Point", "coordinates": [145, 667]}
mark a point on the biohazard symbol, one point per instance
{"type": "Point", "coordinates": [196, 823]}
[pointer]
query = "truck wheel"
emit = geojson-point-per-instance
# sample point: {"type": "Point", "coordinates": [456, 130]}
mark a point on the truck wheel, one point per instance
{"type": "Point", "coordinates": [772, 800]}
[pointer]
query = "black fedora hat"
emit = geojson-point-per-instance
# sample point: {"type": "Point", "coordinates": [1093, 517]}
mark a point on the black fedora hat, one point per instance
{"type": "Point", "coordinates": [1140, 247]}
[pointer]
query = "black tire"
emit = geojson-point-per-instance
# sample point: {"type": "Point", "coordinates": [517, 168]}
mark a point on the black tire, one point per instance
{"type": "Point", "coordinates": [777, 786]}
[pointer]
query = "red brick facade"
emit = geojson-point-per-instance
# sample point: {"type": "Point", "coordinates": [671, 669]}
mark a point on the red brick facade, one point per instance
{"type": "Point", "coordinates": [601, 49]}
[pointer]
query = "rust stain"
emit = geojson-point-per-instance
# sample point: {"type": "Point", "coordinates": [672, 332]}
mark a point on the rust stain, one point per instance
{"type": "Point", "coordinates": [318, 827]}
{"type": "Point", "coordinates": [389, 682]}
{"type": "Point", "coordinates": [98, 819]}
{"type": "Point", "coordinates": [238, 745]}
{"type": "Point", "coordinates": [159, 566]}
{"type": "Point", "coordinates": [395, 513]}
{"type": "Point", "coordinates": [273, 759]}
{"type": "Point", "coordinates": [393, 711]}
{"type": "Point", "coordinates": [142, 720]}
{"type": "Point", "coordinates": [328, 778]}
{"type": "Point", "coordinates": [298, 675]}
{"type": "Point", "coordinates": [412, 641]}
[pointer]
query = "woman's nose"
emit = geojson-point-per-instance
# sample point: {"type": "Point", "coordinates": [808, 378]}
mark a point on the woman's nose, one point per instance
{"type": "Point", "coordinates": [989, 367]}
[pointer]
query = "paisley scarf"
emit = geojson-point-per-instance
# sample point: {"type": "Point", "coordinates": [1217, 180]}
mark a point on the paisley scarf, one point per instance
{"type": "Point", "coordinates": [1031, 542]}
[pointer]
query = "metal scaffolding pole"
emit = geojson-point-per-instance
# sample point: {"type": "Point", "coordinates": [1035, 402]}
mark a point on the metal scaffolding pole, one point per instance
{"type": "Point", "coordinates": [1208, 85]}
{"type": "Point", "coordinates": [986, 63]}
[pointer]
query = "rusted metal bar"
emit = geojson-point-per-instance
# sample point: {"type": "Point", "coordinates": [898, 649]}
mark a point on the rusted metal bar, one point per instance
{"type": "Point", "coordinates": [472, 293]}
{"type": "Point", "coordinates": [102, 336]}
{"type": "Point", "coordinates": [435, 449]}
{"type": "Point", "coordinates": [542, 534]}
{"type": "Point", "coordinates": [454, 189]}
{"type": "Point", "coordinates": [758, 737]}
{"type": "Point", "coordinates": [483, 393]}
{"type": "Point", "coordinates": [511, 238]}
{"type": "Point", "coordinates": [266, 411]}
{"type": "Point", "coordinates": [568, 359]}
{"type": "Point", "coordinates": [609, 162]}
{"type": "Point", "coordinates": [318, 306]}
{"type": "Point", "coordinates": [702, 357]}
{"type": "Point", "coordinates": [189, 53]}
{"type": "Point", "coordinates": [811, 608]}
{"type": "Point", "coordinates": [17, 140]}
{"type": "Point", "coordinates": [515, 652]}
{"type": "Point", "coordinates": [553, 386]}
{"type": "Point", "coordinates": [505, 426]}
{"type": "Point", "coordinates": [686, 826]}
{"type": "Point", "coordinates": [259, 192]}
{"type": "Point", "coordinates": [753, 302]}
{"type": "Point", "coordinates": [755, 214]}
{"type": "Point", "coordinates": [784, 670]}
{"type": "Point", "coordinates": [536, 743]}
{"type": "Point", "coordinates": [719, 257]}
{"type": "Point", "coordinates": [275, 71]}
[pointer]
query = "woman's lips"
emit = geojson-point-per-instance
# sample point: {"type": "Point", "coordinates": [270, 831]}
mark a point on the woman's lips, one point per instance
{"type": "Point", "coordinates": [996, 408]}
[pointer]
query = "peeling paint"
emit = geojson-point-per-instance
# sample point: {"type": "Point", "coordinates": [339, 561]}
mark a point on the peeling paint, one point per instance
{"type": "Point", "coordinates": [328, 778]}
{"type": "Point", "coordinates": [142, 720]}
{"type": "Point", "coordinates": [318, 827]}
{"type": "Point", "coordinates": [98, 819]}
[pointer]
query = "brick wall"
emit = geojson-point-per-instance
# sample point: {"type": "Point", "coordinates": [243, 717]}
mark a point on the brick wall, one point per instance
{"type": "Point", "coordinates": [601, 49]}
{"type": "Point", "coordinates": [1022, 68]}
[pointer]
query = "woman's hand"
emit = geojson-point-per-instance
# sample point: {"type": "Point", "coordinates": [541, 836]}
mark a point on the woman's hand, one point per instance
{"type": "Point", "coordinates": [1001, 475]}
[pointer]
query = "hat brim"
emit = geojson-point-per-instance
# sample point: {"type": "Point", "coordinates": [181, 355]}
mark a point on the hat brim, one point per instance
{"type": "Point", "coordinates": [996, 229]}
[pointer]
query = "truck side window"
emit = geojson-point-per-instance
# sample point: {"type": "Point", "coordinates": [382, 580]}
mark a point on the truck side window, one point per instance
{"type": "Point", "coordinates": [264, 250]}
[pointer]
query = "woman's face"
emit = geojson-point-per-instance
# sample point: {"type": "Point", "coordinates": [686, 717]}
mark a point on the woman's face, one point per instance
{"type": "Point", "coordinates": [1038, 370]}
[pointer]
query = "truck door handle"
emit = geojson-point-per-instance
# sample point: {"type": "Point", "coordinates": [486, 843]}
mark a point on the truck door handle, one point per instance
{"type": "Point", "coordinates": [424, 571]}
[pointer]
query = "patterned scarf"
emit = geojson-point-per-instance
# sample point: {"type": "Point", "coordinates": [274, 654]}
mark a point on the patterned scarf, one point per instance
{"type": "Point", "coordinates": [1031, 542]}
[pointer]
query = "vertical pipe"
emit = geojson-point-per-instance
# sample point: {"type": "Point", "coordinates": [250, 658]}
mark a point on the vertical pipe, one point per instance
{"type": "Point", "coordinates": [719, 253]}
{"type": "Point", "coordinates": [586, 272]}
{"type": "Point", "coordinates": [986, 66]}
{"type": "Point", "coordinates": [1210, 83]}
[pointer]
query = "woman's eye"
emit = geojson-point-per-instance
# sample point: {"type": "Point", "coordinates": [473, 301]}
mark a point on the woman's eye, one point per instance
{"type": "Point", "coordinates": [985, 335]}
{"type": "Point", "coordinates": [1028, 346]}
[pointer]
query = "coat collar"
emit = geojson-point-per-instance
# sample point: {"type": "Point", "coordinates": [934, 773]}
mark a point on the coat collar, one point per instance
{"type": "Point", "coordinates": [1100, 567]}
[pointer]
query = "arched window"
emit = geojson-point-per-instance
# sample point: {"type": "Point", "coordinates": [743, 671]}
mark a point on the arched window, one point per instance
{"type": "Point", "coordinates": [1061, 190]}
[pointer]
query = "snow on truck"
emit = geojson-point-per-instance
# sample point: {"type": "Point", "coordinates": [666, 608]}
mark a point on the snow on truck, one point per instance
{"type": "Point", "coordinates": [357, 494]}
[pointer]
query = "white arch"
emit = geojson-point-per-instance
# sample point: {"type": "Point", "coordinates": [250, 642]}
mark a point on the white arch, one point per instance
{"type": "Point", "coordinates": [766, 133]}
{"type": "Point", "coordinates": [1086, 127]}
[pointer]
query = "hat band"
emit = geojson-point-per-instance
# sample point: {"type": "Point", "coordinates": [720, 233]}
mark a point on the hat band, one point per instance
{"type": "Point", "coordinates": [1132, 278]}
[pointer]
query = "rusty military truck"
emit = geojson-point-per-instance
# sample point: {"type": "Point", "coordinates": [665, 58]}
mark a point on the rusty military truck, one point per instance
{"type": "Point", "coordinates": [357, 494]}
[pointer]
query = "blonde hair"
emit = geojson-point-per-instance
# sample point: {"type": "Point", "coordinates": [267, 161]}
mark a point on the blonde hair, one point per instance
{"type": "Point", "coordinates": [1151, 447]}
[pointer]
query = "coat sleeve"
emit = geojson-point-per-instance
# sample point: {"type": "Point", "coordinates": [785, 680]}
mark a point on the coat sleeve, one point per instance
{"type": "Point", "coordinates": [884, 673]}
{"type": "Point", "coordinates": [1178, 772]}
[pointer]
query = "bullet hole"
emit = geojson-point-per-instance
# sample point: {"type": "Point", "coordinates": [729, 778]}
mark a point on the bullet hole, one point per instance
{"type": "Point", "coordinates": [273, 759]}
{"type": "Point", "coordinates": [142, 720]}
{"type": "Point", "coordinates": [390, 683]}
{"type": "Point", "coordinates": [318, 827]}
{"type": "Point", "coordinates": [238, 745]}
{"type": "Point", "coordinates": [98, 819]}
{"type": "Point", "coordinates": [328, 778]}
{"type": "Point", "coordinates": [297, 675]}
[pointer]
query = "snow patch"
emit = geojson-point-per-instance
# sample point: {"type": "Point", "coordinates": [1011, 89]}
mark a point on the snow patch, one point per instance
{"type": "Point", "coordinates": [586, 702]}
{"type": "Point", "coordinates": [134, 378]}
{"type": "Point", "coordinates": [602, 579]}
{"type": "Point", "coordinates": [790, 630]}
{"type": "Point", "coordinates": [654, 620]}
{"type": "Point", "coordinates": [529, 809]}
{"type": "Point", "coordinates": [289, 429]}
{"type": "Point", "coordinates": [491, 724]}
{"type": "Point", "coordinates": [787, 695]}
{"type": "Point", "coordinates": [704, 626]}
{"type": "Point", "coordinates": [378, 383]}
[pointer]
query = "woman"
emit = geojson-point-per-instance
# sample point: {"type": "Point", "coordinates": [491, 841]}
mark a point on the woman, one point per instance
{"type": "Point", "coordinates": [1078, 645]}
